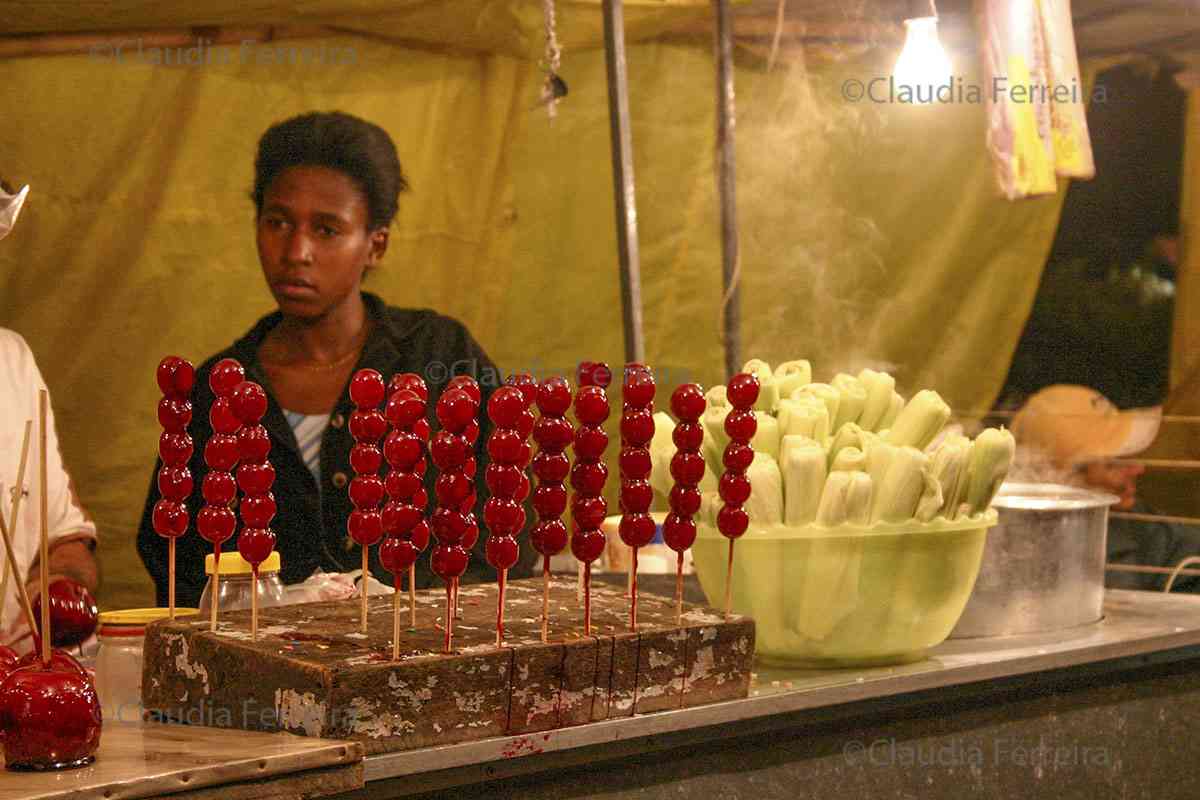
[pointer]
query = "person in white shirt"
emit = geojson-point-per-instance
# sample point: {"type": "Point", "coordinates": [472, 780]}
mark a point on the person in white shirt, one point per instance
{"type": "Point", "coordinates": [72, 532]}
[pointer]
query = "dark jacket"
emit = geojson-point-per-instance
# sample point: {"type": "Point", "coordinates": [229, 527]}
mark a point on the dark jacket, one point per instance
{"type": "Point", "coordinates": [311, 522]}
{"type": "Point", "coordinates": [1152, 544]}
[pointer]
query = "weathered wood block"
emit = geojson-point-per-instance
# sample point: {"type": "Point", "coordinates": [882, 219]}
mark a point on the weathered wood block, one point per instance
{"type": "Point", "coordinates": [312, 672]}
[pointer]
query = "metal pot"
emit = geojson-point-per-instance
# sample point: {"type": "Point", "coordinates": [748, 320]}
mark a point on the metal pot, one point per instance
{"type": "Point", "coordinates": [1043, 564]}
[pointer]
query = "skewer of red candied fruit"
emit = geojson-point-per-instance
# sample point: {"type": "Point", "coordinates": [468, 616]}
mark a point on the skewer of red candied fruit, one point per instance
{"type": "Point", "coordinates": [450, 450]}
{"type": "Point", "coordinates": [176, 377]}
{"type": "Point", "coordinates": [405, 530]}
{"type": "Point", "coordinates": [637, 527]}
{"type": "Point", "coordinates": [255, 477]}
{"type": "Point", "coordinates": [687, 468]}
{"type": "Point", "coordinates": [367, 426]}
{"type": "Point", "coordinates": [216, 522]}
{"type": "Point", "coordinates": [503, 513]}
{"type": "Point", "coordinates": [734, 488]}
{"type": "Point", "coordinates": [551, 466]}
{"type": "Point", "coordinates": [588, 476]}
{"type": "Point", "coordinates": [420, 534]}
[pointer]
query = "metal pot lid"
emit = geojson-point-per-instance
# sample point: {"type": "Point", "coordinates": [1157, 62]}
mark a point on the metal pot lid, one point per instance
{"type": "Point", "coordinates": [1050, 497]}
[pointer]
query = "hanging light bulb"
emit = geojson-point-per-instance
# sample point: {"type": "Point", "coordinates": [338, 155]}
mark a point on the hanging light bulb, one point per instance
{"type": "Point", "coordinates": [923, 64]}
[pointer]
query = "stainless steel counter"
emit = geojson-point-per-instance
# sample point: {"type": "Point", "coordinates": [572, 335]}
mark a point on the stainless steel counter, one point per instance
{"type": "Point", "coordinates": [1138, 628]}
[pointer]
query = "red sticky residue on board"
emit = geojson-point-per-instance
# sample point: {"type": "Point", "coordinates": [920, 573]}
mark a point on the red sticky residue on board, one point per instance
{"type": "Point", "coordinates": [523, 746]}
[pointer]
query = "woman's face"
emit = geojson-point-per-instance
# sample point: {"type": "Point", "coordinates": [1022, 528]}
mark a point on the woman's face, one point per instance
{"type": "Point", "coordinates": [313, 240]}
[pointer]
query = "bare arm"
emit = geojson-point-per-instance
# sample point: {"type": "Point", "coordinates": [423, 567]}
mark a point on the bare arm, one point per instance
{"type": "Point", "coordinates": [71, 559]}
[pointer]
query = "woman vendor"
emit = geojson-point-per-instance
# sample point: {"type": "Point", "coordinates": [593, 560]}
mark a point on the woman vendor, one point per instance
{"type": "Point", "coordinates": [325, 192]}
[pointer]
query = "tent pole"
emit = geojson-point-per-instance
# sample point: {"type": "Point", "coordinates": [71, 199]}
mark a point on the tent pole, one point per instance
{"type": "Point", "coordinates": [623, 185]}
{"type": "Point", "coordinates": [731, 301]}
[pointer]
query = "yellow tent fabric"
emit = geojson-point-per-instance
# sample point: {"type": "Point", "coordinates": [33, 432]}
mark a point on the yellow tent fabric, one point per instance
{"type": "Point", "coordinates": [871, 233]}
{"type": "Point", "coordinates": [511, 27]}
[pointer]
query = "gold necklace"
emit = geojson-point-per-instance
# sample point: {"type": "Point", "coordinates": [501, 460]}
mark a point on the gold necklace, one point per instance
{"type": "Point", "coordinates": [324, 366]}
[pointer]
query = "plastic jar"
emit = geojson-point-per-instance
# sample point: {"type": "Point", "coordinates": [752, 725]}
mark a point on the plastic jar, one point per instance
{"type": "Point", "coordinates": [121, 635]}
{"type": "Point", "coordinates": [236, 583]}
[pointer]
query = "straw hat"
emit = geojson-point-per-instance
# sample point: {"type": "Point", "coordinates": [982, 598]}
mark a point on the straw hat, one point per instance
{"type": "Point", "coordinates": [1074, 424]}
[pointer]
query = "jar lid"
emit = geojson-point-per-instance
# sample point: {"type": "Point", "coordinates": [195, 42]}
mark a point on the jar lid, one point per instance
{"type": "Point", "coordinates": [232, 563]}
{"type": "Point", "coordinates": [141, 616]}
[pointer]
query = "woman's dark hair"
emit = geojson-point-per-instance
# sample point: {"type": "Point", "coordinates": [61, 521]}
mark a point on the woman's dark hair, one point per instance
{"type": "Point", "coordinates": [338, 141]}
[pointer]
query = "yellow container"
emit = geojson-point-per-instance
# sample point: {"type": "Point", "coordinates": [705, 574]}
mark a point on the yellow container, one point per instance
{"type": "Point", "coordinates": [847, 596]}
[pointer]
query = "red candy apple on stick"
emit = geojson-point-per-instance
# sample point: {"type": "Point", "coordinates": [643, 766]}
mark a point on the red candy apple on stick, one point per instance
{"type": "Point", "coordinates": [734, 487]}
{"type": "Point", "coordinates": [405, 531]}
{"type": "Point", "coordinates": [687, 468]}
{"type": "Point", "coordinates": [255, 477]}
{"type": "Point", "coordinates": [505, 476]}
{"type": "Point", "coordinates": [450, 451]}
{"type": "Point", "coordinates": [176, 377]}
{"type": "Point", "coordinates": [216, 522]}
{"type": "Point", "coordinates": [637, 429]}
{"type": "Point", "coordinates": [467, 505]}
{"type": "Point", "coordinates": [588, 476]}
{"type": "Point", "coordinates": [49, 711]}
{"type": "Point", "coordinates": [553, 432]}
{"type": "Point", "coordinates": [367, 426]}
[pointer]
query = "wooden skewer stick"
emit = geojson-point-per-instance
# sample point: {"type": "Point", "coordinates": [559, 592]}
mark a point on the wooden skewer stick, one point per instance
{"type": "Point", "coordinates": [449, 614]}
{"type": "Point", "coordinates": [412, 596]}
{"type": "Point", "coordinates": [171, 577]}
{"type": "Point", "coordinates": [587, 599]}
{"type": "Point", "coordinates": [630, 569]}
{"type": "Point", "coordinates": [253, 602]}
{"type": "Point", "coordinates": [546, 600]}
{"type": "Point", "coordinates": [633, 591]}
{"type": "Point", "coordinates": [43, 413]}
{"type": "Point", "coordinates": [363, 591]}
{"type": "Point", "coordinates": [500, 611]}
{"type": "Point", "coordinates": [729, 582]}
{"type": "Point", "coordinates": [18, 493]}
{"type": "Point", "coordinates": [216, 592]}
{"type": "Point", "coordinates": [11, 562]}
{"type": "Point", "coordinates": [679, 591]}
{"type": "Point", "coordinates": [396, 618]}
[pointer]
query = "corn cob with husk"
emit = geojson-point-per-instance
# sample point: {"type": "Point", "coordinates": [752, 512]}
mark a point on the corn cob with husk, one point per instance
{"type": "Point", "coordinates": [880, 388]}
{"type": "Point", "coordinates": [807, 417]}
{"type": "Point", "coordinates": [768, 390]}
{"type": "Point", "coordinates": [930, 504]}
{"type": "Point", "coordinates": [791, 375]}
{"type": "Point", "coordinates": [850, 435]}
{"type": "Point", "coordinates": [832, 567]}
{"type": "Point", "coordinates": [846, 498]}
{"type": "Point", "coordinates": [832, 509]}
{"type": "Point", "coordinates": [949, 467]}
{"type": "Point", "coordinates": [802, 463]}
{"type": "Point", "coordinates": [903, 484]}
{"type": "Point", "coordinates": [765, 505]}
{"type": "Point", "coordinates": [879, 457]}
{"type": "Point", "coordinates": [662, 450]}
{"type": "Point", "coordinates": [849, 459]}
{"type": "Point", "coordinates": [920, 421]}
{"type": "Point", "coordinates": [991, 456]}
{"type": "Point", "coordinates": [710, 505]}
{"type": "Point", "coordinates": [853, 399]}
{"type": "Point", "coordinates": [766, 436]}
{"type": "Point", "coordinates": [895, 406]}
{"type": "Point", "coordinates": [828, 395]}
{"type": "Point", "coordinates": [715, 437]}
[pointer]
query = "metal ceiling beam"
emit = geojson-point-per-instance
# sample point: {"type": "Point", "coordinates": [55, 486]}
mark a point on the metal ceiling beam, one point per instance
{"type": "Point", "coordinates": [623, 183]}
